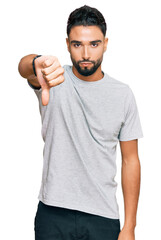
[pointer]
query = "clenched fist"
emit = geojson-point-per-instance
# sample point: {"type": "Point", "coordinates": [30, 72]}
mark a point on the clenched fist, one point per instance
{"type": "Point", "coordinates": [49, 74]}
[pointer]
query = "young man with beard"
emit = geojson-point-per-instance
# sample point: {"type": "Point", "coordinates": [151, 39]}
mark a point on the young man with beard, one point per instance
{"type": "Point", "coordinates": [85, 112]}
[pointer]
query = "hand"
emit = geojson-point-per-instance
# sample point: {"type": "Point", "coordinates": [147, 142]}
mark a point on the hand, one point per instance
{"type": "Point", "coordinates": [126, 234]}
{"type": "Point", "coordinates": [49, 74]}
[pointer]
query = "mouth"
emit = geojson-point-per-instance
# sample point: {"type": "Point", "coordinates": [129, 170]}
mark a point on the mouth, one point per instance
{"type": "Point", "coordinates": [85, 64]}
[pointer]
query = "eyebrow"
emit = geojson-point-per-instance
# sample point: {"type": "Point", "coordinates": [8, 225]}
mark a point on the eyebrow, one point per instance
{"type": "Point", "coordinates": [92, 42]}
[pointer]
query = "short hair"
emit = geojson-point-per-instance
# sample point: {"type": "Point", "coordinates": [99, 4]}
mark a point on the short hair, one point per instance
{"type": "Point", "coordinates": [86, 16]}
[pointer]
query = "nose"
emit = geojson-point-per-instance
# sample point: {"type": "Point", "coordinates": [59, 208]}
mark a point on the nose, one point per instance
{"type": "Point", "coordinates": [85, 54]}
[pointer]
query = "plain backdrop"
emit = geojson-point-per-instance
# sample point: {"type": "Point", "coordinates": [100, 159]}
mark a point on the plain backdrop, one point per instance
{"type": "Point", "coordinates": [133, 56]}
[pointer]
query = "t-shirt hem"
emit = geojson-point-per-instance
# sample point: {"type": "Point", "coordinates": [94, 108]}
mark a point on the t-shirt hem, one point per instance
{"type": "Point", "coordinates": [131, 137]}
{"type": "Point", "coordinates": [77, 207]}
{"type": "Point", "coordinates": [38, 89]}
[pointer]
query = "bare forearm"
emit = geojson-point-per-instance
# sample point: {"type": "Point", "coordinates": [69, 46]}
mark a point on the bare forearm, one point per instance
{"type": "Point", "coordinates": [25, 66]}
{"type": "Point", "coordinates": [25, 69]}
{"type": "Point", "coordinates": [131, 175]}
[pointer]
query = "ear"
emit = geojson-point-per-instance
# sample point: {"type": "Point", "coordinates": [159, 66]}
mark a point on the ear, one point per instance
{"type": "Point", "coordinates": [105, 44]}
{"type": "Point", "coordinates": [67, 42]}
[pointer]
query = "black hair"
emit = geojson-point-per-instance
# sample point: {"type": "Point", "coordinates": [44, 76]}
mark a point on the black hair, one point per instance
{"type": "Point", "coordinates": [86, 16]}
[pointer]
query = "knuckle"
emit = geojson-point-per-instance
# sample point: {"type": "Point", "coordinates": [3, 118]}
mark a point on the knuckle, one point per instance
{"type": "Point", "coordinates": [44, 77]}
{"type": "Point", "coordinates": [51, 83]}
{"type": "Point", "coordinates": [62, 70]}
{"type": "Point", "coordinates": [57, 61]}
{"type": "Point", "coordinates": [62, 78]}
{"type": "Point", "coordinates": [47, 77]}
{"type": "Point", "coordinates": [57, 64]}
{"type": "Point", "coordinates": [45, 63]}
{"type": "Point", "coordinates": [44, 72]}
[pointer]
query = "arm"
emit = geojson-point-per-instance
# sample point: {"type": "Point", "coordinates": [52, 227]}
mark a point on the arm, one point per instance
{"type": "Point", "coordinates": [131, 172]}
{"type": "Point", "coordinates": [48, 70]}
{"type": "Point", "coordinates": [26, 70]}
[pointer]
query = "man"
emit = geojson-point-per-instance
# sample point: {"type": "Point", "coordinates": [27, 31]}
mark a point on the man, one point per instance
{"type": "Point", "coordinates": [85, 112]}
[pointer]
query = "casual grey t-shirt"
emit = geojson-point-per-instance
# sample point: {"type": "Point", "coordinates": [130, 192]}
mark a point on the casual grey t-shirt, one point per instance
{"type": "Point", "coordinates": [81, 126]}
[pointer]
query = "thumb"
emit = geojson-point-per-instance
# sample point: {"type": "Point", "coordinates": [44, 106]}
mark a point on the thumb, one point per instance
{"type": "Point", "coordinates": [45, 96]}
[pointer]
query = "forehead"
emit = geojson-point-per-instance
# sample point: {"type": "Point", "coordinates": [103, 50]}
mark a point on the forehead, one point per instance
{"type": "Point", "coordinates": [85, 33]}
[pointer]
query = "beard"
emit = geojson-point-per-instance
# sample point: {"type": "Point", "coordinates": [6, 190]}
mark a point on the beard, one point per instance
{"type": "Point", "coordinates": [87, 72]}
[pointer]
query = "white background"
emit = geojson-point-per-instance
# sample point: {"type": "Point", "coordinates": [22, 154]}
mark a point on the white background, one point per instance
{"type": "Point", "coordinates": [133, 56]}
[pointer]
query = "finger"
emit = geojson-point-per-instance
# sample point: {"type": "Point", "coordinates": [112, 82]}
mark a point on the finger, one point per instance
{"type": "Point", "coordinates": [45, 96]}
{"type": "Point", "coordinates": [51, 68]}
{"type": "Point", "coordinates": [55, 74]}
{"type": "Point", "coordinates": [56, 81]}
{"type": "Point", "coordinates": [49, 61]}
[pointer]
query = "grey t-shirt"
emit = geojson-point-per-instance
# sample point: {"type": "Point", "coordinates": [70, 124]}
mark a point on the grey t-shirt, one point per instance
{"type": "Point", "coordinates": [81, 126]}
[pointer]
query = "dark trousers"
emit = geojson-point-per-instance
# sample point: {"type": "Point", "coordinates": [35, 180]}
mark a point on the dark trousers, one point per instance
{"type": "Point", "coordinates": [56, 223]}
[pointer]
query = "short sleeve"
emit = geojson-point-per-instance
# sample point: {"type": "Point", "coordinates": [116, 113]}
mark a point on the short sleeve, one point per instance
{"type": "Point", "coordinates": [131, 127]}
{"type": "Point", "coordinates": [37, 90]}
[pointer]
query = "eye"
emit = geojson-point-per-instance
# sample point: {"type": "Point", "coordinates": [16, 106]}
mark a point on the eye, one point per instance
{"type": "Point", "coordinates": [76, 45]}
{"type": "Point", "coordinates": [94, 44]}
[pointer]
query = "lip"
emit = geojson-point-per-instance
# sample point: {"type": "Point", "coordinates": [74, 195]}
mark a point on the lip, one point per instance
{"type": "Point", "coordinates": [85, 64]}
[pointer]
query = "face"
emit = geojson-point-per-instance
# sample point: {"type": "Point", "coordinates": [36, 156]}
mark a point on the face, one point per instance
{"type": "Point", "coordinates": [86, 45]}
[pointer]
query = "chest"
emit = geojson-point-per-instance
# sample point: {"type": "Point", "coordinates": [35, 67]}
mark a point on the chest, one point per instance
{"type": "Point", "coordinates": [101, 110]}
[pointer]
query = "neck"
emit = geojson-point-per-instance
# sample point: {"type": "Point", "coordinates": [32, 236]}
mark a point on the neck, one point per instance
{"type": "Point", "coordinates": [98, 75]}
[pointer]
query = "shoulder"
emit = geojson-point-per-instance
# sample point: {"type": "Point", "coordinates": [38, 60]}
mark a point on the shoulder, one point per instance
{"type": "Point", "coordinates": [118, 87]}
{"type": "Point", "coordinates": [117, 83]}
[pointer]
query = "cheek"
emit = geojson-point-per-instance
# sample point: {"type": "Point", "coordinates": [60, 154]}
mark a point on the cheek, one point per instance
{"type": "Point", "coordinates": [97, 53]}
{"type": "Point", "coordinates": [75, 53]}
